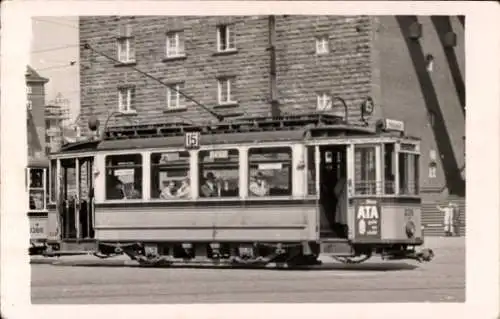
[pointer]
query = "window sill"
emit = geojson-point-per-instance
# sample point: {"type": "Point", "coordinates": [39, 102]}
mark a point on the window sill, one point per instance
{"type": "Point", "coordinates": [122, 64]}
{"type": "Point", "coordinates": [175, 110]}
{"type": "Point", "coordinates": [174, 58]}
{"type": "Point", "coordinates": [226, 52]}
{"type": "Point", "coordinates": [127, 113]}
{"type": "Point", "coordinates": [226, 105]}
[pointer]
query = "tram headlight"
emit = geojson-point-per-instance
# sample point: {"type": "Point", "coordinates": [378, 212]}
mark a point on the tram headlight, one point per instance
{"type": "Point", "coordinates": [410, 229]}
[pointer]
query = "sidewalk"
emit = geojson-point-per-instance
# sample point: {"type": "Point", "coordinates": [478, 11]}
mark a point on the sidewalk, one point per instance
{"type": "Point", "coordinates": [440, 245]}
{"type": "Point", "coordinates": [83, 260]}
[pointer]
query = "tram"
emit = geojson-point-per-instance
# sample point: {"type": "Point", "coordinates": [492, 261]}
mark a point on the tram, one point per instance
{"type": "Point", "coordinates": [253, 191]}
{"type": "Point", "coordinates": [37, 180]}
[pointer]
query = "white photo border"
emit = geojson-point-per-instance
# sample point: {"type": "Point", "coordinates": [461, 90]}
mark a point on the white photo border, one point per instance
{"type": "Point", "coordinates": [482, 126]}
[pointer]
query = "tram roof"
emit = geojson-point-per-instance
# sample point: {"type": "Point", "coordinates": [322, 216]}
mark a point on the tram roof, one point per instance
{"type": "Point", "coordinates": [241, 131]}
{"type": "Point", "coordinates": [38, 162]}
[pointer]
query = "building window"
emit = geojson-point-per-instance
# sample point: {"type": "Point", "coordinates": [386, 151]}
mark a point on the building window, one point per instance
{"type": "Point", "coordinates": [124, 176]}
{"type": "Point", "coordinates": [126, 51]}
{"type": "Point", "coordinates": [225, 38]}
{"type": "Point", "coordinates": [174, 98]}
{"type": "Point", "coordinates": [432, 118]}
{"type": "Point", "coordinates": [270, 172]}
{"type": "Point", "coordinates": [175, 44]}
{"type": "Point", "coordinates": [219, 170]}
{"type": "Point", "coordinates": [324, 102]}
{"type": "Point", "coordinates": [432, 171]}
{"type": "Point", "coordinates": [29, 90]}
{"type": "Point", "coordinates": [225, 88]}
{"type": "Point", "coordinates": [322, 46]}
{"type": "Point", "coordinates": [126, 99]}
{"type": "Point", "coordinates": [170, 175]}
{"type": "Point", "coordinates": [29, 104]}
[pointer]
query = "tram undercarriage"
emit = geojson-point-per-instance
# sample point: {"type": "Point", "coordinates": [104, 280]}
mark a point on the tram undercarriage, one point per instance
{"type": "Point", "coordinates": [279, 255]}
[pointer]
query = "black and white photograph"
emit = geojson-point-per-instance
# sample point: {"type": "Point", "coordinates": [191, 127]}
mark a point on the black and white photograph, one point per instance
{"type": "Point", "coordinates": [248, 155]}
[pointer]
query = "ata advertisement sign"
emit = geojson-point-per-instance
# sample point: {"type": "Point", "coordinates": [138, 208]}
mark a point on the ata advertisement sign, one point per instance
{"type": "Point", "coordinates": [367, 219]}
{"type": "Point", "coordinates": [38, 228]}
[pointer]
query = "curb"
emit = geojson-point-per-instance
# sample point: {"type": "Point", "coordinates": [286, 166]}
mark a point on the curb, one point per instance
{"type": "Point", "coordinates": [94, 263]}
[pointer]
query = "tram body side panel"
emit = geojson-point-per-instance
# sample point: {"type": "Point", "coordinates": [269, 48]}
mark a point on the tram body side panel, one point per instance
{"type": "Point", "coordinates": [38, 226]}
{"type": "Point", "coordinates": [384, 219]}
{"type": "Point", "coordinates": [52, 225]}
{"type": "Point", "coordinates": [276, 223]}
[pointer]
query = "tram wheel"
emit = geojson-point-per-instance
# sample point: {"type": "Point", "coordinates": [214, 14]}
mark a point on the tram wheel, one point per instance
{"type": "Point", "coordinates": [353, 260]}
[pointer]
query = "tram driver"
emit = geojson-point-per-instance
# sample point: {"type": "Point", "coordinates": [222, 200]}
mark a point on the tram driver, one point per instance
{"type": "Point", "coordinates": [258, 185]}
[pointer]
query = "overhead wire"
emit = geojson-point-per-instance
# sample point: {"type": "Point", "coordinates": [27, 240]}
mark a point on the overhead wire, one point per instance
{"type": "Point", "coordinates": [171, 87]}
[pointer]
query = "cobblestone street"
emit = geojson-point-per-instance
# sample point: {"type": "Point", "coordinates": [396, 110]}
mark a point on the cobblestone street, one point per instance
{"type": "Point", "coordinates": [442, 280]}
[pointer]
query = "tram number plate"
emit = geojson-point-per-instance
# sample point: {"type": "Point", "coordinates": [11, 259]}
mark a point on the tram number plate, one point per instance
{"type": "Point", "coordinates": [192, 140]}
{"type": "Point", "coordinates": [38, 228]}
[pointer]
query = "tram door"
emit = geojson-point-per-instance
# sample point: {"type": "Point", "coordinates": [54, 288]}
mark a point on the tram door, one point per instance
{"type": "Point", "coordinates": [333, 191]}
{"type": "Point", "coordinates": [77, 198]}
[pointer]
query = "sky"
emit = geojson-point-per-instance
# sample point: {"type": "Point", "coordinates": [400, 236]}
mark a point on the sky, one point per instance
{"type": "Point", "coordinates": [54, 44]}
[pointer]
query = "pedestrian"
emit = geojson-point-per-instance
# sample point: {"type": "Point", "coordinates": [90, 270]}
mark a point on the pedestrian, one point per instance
{"type": "Point", "coordinates": [449, 219]}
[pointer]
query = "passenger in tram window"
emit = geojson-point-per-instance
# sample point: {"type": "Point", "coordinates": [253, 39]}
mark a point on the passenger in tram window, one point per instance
{"type": "Point", "coordinates": [185, 189]}
{"type": "Point", "coordinates": [209, 188]}
{"type": "Point", "coordinates": [117, 190]}
{"type": "Point", "coordinates": [36, 200]}
{"type": "Point", "coordinates": [258, 185]}
{"type": "Point", "coordinates": [133, 192]}
{"type": "Point", "coordinates": [168, 191]}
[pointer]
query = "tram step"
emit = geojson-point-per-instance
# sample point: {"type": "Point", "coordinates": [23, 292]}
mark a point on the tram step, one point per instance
{"type": "Point", "coordinates": [336, 247]}
{"type": "Point", "coordinates": [78, 246]}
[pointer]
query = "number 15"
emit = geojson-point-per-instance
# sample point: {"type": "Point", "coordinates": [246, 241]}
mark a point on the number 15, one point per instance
{"type": "Point", "coordinates": [192, 140]}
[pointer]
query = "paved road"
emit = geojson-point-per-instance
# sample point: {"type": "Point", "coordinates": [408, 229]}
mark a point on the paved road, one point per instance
{"type": "Point", "coordinates": [441, 280]}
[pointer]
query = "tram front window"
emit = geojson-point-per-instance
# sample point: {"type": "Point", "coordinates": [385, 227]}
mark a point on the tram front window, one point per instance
{"type": "Point", "coordinates": [37, 189]}
{"type": "Point", "coordinates": [365, 174]}
{"type": "Point", "coordinates": [389, 169]}
{"type": "Point", "coordinates": [219, 170]}
{"type": "Point", "coordinates": [311, 170]}
{"type": "Point", "coordinates": [408, 174]}
{"type": "Point", "coordinates": [269, 172]}
{"type": "Point", "coordinates": [124, 176]}
{"type": "Point", "coordinates": [170, 175]}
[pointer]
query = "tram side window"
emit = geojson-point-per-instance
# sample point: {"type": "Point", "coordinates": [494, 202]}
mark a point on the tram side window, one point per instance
{"type": "Point", "coordinates": [311, 170]}
{"type": "Point", "coordinates": [124, 176]}
{"type": "Point", "coordinates": [389, 170]}
{"type": "Point", "coordinates": [37, 189]}
{"type": "Point", "coordinates": [53, 179]}
{"type": "Point", "coordinates": [408, 174]}
{"type": "Point", "coordinates": [270, 172]}
{"type": "Point", "coordinates": [219, 170]}
{"type": "Point", "coordinates": [365, 174]}
{"type": "Point", "coordinates": [170, 175]}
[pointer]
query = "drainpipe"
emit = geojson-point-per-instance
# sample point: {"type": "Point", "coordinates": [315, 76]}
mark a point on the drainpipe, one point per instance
{"type": "Point", "coordinates": [273, 89]}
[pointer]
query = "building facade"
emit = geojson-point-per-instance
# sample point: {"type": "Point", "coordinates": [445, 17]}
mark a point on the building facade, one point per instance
{"type": "Point", "coordinates": [412, 67]}
{"type": "Point", "coordinates": [35, 105]}
{"type": "Point", "coordinates": [56, 119]}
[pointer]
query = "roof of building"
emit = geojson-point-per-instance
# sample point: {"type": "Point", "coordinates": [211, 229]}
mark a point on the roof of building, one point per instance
{"type": "Point", "coordinates": [33, 76]}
